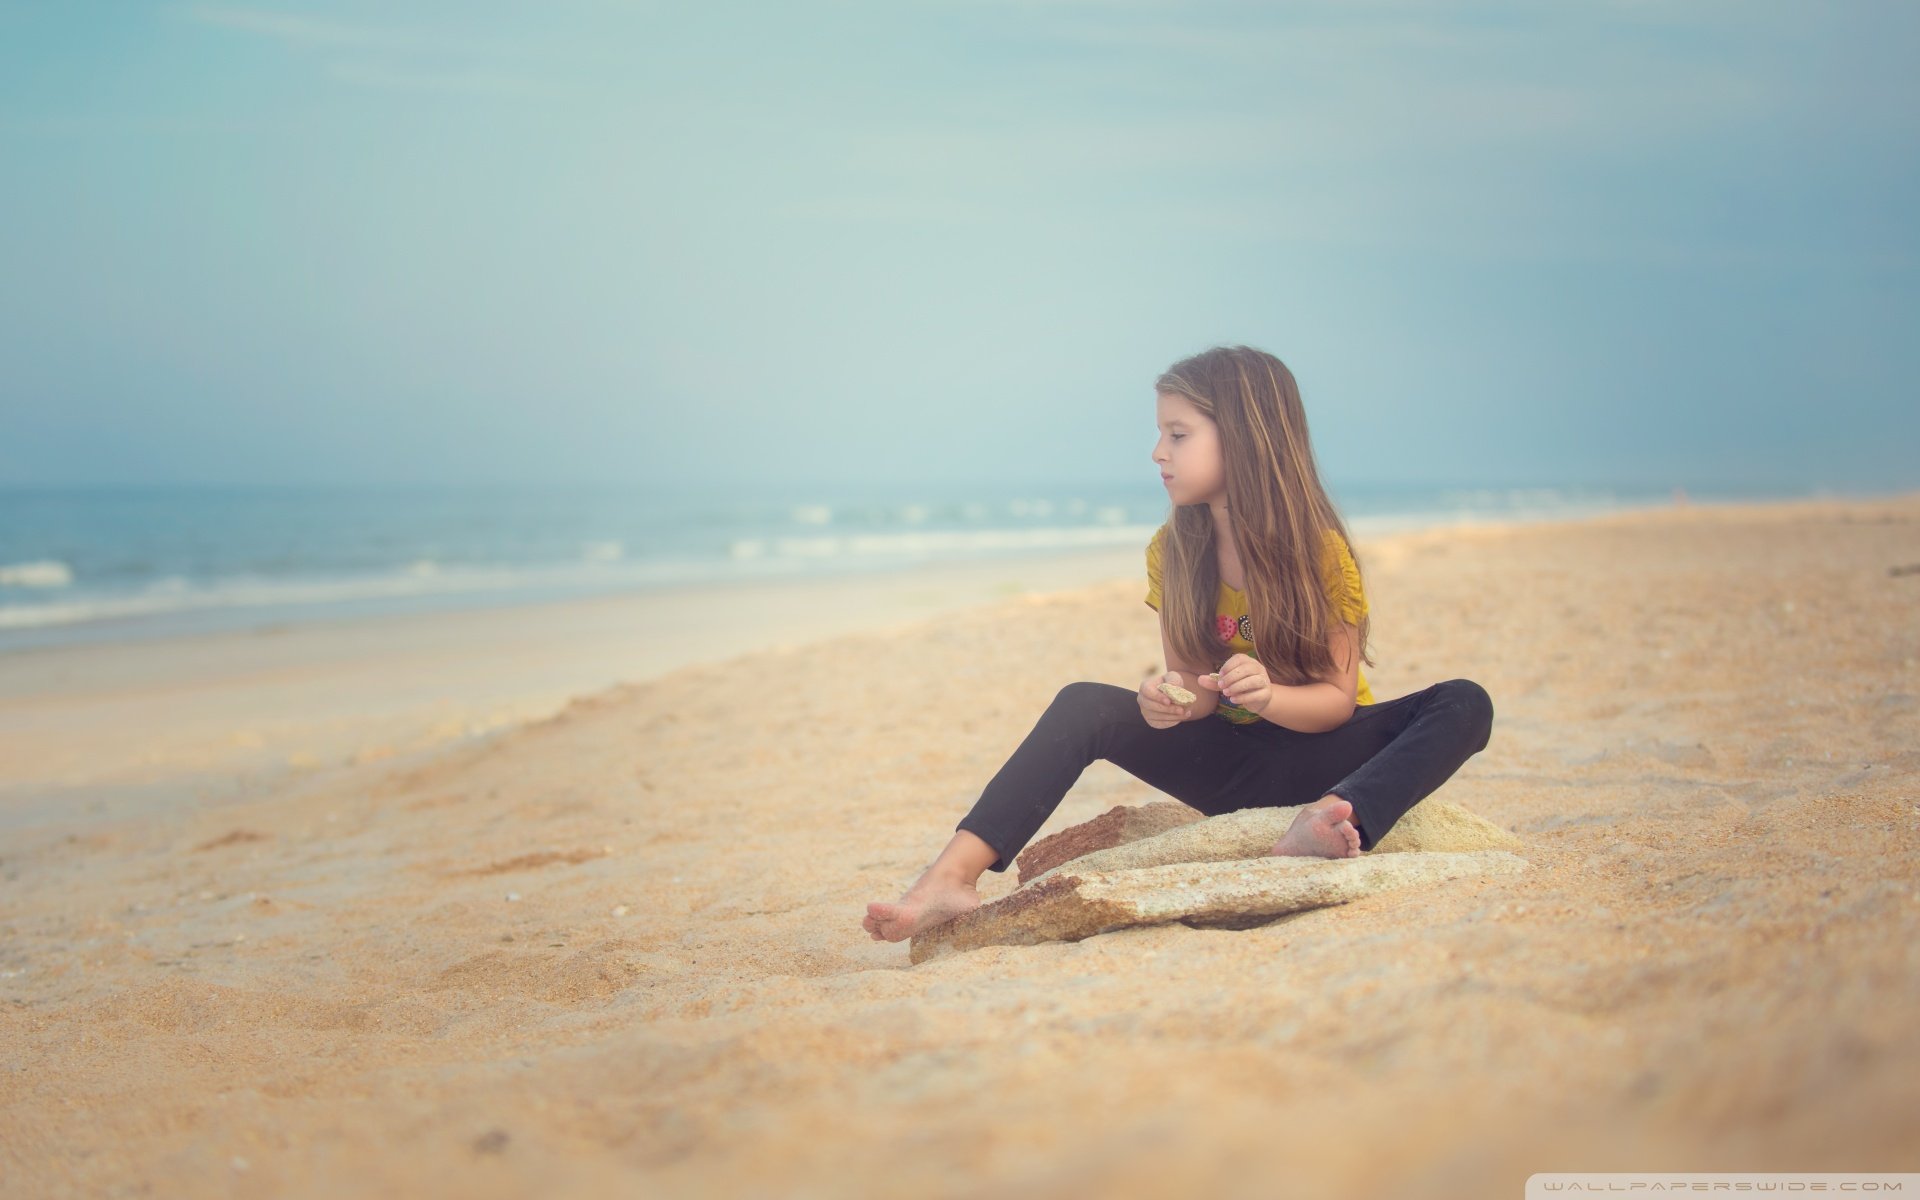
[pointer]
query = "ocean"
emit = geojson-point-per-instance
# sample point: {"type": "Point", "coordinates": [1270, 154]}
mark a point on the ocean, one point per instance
{"type": "Point", "coordinates": [104, 564]}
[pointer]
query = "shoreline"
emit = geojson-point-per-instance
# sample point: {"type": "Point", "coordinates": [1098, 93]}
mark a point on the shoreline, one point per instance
{"type": "Point", "coordinates": [232, 715]}
{"type": "Point", "coordinates": [22, 633]}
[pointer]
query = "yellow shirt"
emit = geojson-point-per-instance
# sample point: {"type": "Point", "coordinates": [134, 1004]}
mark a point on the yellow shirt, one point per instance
{"type": "Point", "coordinates": [1340, 576]}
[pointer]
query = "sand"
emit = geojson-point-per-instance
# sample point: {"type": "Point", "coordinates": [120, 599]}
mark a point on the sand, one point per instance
{"type": "Point", "coordinates": [127, 728]}
{"type": "Point", "coordinates": [619, 945]}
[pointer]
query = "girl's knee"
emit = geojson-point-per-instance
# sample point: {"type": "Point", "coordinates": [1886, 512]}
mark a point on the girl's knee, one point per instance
{"type": "Point", "coordinates": [1088, 694]}
{"type": "Point", "coordinates": [1094, 703]}
{"type": "Point", "coordinates": [1471, 700]}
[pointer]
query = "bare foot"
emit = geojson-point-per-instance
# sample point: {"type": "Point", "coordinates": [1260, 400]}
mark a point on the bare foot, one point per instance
{"type": "Point", "coordinates": [934, 900]}
{"type": "Point", "coordinates": [1322, 829]}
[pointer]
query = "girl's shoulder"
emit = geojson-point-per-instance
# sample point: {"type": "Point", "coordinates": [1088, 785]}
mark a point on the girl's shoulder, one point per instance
{"type": "Point", "coordinates": [1156, 545]}
{"type": "Point", "coordinates": [1332, 545]}
{"type": "Point", "coordinates": [1341, 575]}
{"type": "Point", "coordinates": [1334, 550]}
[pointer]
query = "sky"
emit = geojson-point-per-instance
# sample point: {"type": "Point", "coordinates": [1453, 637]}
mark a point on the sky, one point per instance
{"type": "Point", "coordinates": [736, 247]}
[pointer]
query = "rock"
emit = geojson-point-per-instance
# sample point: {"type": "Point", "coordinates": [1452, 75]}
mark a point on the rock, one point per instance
{"type": "Point", "coordinates": [1160, 862]}
{"type": "Point", "coordinates": [1251, 832]}
{"type": "Point", "coordinates": [1072, 902]}
{"type": "Point", "coordinates": [1117, 826]}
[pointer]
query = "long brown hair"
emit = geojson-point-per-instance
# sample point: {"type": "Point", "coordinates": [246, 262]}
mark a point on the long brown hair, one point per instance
{"type": "Point", "coordinates": [1280, 517]}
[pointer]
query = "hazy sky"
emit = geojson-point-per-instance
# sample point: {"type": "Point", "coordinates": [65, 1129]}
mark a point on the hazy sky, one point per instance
{"type": "Point", "coordinates": [1628, 243]}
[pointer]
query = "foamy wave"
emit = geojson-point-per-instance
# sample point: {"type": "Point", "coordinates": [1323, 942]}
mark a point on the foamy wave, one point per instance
{"type": "Point", "coordinates": [176, 595]}
{"type": "Point", "coordinates": [933, 543]}
{"type": "Point", "coordinates": [45, 573]}
{"type": "Point", "coordinates": [887, 514]}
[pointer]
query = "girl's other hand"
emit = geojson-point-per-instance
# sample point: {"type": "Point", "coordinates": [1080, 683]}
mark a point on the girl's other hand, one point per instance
{"type": "Point", "coordinates": [1241, 680]}
{"type": "Point", "coordinates": [1159, 708]}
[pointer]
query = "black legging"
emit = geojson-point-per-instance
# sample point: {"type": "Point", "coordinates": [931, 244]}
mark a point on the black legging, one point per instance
{"type": "Point", "coordinates": [1384, 760]}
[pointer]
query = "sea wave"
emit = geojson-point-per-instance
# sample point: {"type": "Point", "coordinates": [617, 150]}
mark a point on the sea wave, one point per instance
{"type": "Point", "coordinates": [936, 543]}
{"type": "Point", "coordinates": [850, 514]}
{"type": "Point", "coordinates": [174, 594]}
{"type": "Point", "coordinates": [603, 566]}
{"type": "Point", "coordinates": [44, 573]}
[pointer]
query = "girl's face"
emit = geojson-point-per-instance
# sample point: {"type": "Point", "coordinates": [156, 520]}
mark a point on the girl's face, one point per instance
{"type": "Point", "coordinates": [1188, 453]}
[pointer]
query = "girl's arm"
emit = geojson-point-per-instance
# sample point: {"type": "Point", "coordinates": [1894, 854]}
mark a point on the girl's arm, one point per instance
{"type": "Point", "coordinates": [1327, 703]}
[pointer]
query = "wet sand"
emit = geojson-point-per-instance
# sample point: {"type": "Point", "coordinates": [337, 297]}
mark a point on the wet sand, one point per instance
{"type": "Point", "coordinates": [617, 945]}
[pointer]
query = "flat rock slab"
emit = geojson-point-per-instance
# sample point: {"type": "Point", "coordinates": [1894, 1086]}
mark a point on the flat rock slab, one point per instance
{"type": "Point", "coordinates": [1069, 904]}
{"type": "Point", "coordinates": [1117, 826]}
{"type": "Point", "coordinates": [1215, 871]}
{"type": "Point", "coordinates": [1251, 833]}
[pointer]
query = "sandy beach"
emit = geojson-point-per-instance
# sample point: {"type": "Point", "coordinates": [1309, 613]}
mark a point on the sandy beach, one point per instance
{"type": "Point", "coordinates": [120, 729]}
{"type": "Point", "coordinates": [567, 900]}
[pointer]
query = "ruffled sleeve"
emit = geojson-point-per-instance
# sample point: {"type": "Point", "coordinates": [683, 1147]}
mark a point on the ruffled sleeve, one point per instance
{"type": "Point", "coordinates": [1341, 575]}
{"type": "Point", "coordinates": [1153, 569]}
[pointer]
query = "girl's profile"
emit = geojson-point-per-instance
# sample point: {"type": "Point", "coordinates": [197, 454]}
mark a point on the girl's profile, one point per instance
{"type": "Point", "coordinates": [1264, 621]}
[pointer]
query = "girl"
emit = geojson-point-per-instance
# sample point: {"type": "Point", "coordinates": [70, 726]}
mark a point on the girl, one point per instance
{"type": "Point", "coordinates": [1254, 555]}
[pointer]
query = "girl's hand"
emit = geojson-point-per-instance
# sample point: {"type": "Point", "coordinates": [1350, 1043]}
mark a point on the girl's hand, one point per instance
{"type": "Point", "coordinates": [1159, 708]}
{"type": "Point", "coordinates": [1242, 680]}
